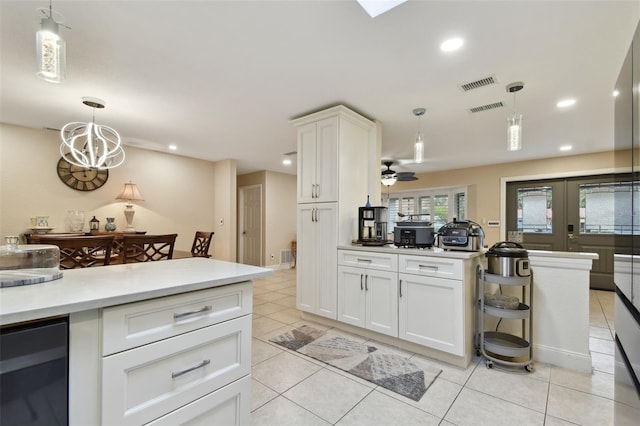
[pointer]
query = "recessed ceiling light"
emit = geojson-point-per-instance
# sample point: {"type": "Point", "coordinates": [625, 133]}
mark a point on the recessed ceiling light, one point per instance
{"type": "Point", "coordinates": [173, 147]}
{"type": "Point", "coordinates": [451, 44]}
{"type": "Point", "coordinates": [616, 93]}
{"type": "Point", "coordinates": [566, 148]}
{"type": "Point", "coordinates": [286, 161]}
{"type": "Point", "coordinates": [566, 103]}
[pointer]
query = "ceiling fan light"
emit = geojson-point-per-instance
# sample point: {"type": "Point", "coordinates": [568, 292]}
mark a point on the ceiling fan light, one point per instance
{"type": "Point", "coordinates": [388, 180]}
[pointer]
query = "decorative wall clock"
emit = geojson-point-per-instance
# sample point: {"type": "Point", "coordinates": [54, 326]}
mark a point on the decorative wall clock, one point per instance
{"type": "Point", "coordinates": [80, 178]}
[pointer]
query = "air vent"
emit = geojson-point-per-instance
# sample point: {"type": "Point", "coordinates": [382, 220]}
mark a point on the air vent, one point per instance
{"type": "Point", "coordinates": [486, 107]}
{"type": "Point", "coordinates": [487, 81]}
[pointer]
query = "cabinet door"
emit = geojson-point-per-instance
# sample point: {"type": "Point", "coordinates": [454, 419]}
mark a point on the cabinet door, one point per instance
{"type": "Point", "coordinates": [431, 312]}
{"type": "Point", "coordinates": [327, 160]}
{"type": "Point", "coordinates": [351, 295]}
{"type": "Point", "coordinates": [381, 290]}
{"type": "Point", "coordinates": [326, 259]}
{"type": "Point", "coordinates": [307, 163]}
{"type": "Point", "coordinates": [306, 262]}
{"type": "Point", "coordinates": [317, 269]}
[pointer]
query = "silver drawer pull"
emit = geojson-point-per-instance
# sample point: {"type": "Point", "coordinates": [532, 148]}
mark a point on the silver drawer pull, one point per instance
{"type": "Point", "coordinates": [364, 260]}
{"type": "Point", "coordinates": [180, 373]}
{"type": "Point", "coordinates": [186, 314]}
{"type": "Point", "coordinates": [432, 267]}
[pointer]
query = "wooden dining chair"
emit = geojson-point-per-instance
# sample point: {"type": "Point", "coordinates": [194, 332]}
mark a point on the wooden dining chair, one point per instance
{"type": "Point", "coordinates": [82, 251]}
{"type": "Point", "coordinates": [201, 243]}
{"type": "Point", "coordinates": [147, 248]}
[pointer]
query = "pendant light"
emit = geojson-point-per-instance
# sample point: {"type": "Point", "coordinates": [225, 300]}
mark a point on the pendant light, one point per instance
{"type": "Point", "coordinates": [514, 122]}
{"type": "Point", "coordinates": [50, 49]}
{"type": "Point", "coordinates": [418, 148]}
{"type": "Point", "coordinates": [91, 145]}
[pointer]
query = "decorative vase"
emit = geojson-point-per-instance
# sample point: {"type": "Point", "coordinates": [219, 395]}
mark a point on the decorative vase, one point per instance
{"type": "Point", "coordinates": [110, 225]}
{"type": "Point", "coordinates": [368, 203]}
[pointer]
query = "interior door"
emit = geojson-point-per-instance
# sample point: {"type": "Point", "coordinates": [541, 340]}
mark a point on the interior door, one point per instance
{"type": "Point", "coordinates": [251, 225]}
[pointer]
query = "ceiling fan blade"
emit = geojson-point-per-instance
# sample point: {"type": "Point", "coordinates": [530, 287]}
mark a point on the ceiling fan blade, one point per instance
{"type": "Point", "coordinates": [406, 176]}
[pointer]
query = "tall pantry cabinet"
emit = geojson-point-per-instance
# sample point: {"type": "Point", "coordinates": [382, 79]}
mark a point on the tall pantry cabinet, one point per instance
{"type": "Point", "coordinates": [334, 147]}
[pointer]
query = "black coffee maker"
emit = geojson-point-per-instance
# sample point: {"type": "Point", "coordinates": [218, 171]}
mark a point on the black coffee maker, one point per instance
{"type": "Point", "coordinates": [372, 225]}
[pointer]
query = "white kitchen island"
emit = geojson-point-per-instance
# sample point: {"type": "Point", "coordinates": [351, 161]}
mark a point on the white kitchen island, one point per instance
{"type": "Point", "coordinates": [159, 342]}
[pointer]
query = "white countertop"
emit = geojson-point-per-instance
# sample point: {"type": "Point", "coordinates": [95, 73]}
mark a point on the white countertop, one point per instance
{"type": "Point", "coordinates": [390, 248]}
{"type": "Point", "coordinates": [91, 288]}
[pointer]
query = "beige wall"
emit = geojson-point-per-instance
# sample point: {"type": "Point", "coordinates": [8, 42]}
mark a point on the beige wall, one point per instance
{"type": "Point", "coordinates": [485, 182]}
{"type": "Point", "coordinates": [181, 195]}
{"type": "Point", "coordinates": [279, 207]}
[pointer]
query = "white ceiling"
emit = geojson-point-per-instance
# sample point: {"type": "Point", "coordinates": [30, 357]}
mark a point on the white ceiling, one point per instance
{"type": "Point", "coordinates": [221, 79]}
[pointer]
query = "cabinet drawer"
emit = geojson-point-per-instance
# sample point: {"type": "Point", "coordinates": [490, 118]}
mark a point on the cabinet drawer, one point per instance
{"type": "Point", "coordinates": [145, 383]}
{"type": "Point", "coordinates": [230, 405]}
{"type": "Point", "coordinates": [431, 266]}
{"type": "Point", "coordinates": [365, 259]}
{"type": "Point", "coordinates": [136, 324]}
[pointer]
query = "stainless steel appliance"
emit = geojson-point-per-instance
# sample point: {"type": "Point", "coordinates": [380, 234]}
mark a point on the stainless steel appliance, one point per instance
{"type": "Point", "coordinates": [463, 235]}
{"type": "Point", "coordinates": [508, 259]}
{"type": "Point", "coordinates": [33, 373]}
{"type": "Point", "coordinates": [372, 225]}
{"type": "Point", "coordinates": [413, 234]}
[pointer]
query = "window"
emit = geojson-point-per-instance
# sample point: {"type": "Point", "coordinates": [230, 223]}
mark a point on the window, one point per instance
{"type": "Point", "coordinates": [604, 208]}
{"type": "Point", "coordinates": [534, 209]}
{"type": "Point", "coordinates": [432, 205]}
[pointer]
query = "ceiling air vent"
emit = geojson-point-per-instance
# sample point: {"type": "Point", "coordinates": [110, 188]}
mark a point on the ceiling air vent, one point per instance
{"type": "Point", "coordinates": [487, 81]}
{"type": "Point", "coordinates": [486, 107]}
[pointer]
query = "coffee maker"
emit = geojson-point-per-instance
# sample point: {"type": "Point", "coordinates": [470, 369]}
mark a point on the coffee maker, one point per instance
{"type": "Point", "coordinates": [372, 225]}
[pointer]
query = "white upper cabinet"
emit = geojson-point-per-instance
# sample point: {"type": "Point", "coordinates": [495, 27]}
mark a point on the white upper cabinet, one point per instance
{"type": "Point", "coordinates": [318, 161]}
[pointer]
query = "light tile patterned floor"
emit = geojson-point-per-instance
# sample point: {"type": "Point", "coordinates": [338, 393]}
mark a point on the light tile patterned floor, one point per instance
{"type": "Point", "coordinates": [291, 389]}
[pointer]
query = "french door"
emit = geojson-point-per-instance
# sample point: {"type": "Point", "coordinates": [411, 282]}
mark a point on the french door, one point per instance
{"type": "Point", "coordinates": [581, 214]}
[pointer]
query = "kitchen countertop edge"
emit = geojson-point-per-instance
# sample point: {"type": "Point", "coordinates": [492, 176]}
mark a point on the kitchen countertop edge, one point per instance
{"type": "Point", "coordinates": [92, 288]}
{"type": "Point", "coordinates": [451, 254]}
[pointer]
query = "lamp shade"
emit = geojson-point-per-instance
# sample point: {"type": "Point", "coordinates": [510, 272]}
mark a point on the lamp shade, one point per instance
{"type": "Point", "coordinates": [130, 193]}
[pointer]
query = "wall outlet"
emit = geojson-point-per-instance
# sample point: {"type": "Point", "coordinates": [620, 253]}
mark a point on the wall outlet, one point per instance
{"type": "Point", "coordinates": [221, 221]}
{"type": "Point", "coordinates": [273, 256]}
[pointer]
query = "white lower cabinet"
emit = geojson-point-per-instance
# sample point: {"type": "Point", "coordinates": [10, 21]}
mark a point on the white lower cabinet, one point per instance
{"type": "Point", "coordinates": [368, 298]}
{"type": "Point", "coordinates": [431, 312]}
{"type": "Point", "coordinates": [183, 359]}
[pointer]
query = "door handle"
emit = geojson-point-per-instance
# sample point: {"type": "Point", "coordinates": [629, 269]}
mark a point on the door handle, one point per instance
{"type": "Point", "coordinates": [366, 287]}
{"type": "Point", "coordinates": [572, 238]}
{"type": "Point", "coordinates": [361, 276]}
{"type": "Point", "coordinates": [400, 287]}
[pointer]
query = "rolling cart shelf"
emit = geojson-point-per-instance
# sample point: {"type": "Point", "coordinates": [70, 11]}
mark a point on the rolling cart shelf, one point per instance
{"type": "Point", "coordinates": [499, 347]}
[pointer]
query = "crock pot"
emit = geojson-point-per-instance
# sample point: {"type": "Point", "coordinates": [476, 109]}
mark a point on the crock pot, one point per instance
{"type": "Point", "coordinates": [508, 259]}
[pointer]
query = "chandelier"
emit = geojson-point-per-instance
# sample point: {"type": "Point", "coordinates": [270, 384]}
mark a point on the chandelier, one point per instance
{"type": "Point", "coordinates": [91, 145]}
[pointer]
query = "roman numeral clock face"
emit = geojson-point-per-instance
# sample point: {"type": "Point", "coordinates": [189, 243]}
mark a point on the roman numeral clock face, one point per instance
{"type": "Point", "coordinates": [80, 178]}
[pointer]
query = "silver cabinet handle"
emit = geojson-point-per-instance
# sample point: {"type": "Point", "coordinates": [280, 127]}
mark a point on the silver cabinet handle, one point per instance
{"type": "Point", "coordinates": [361, 288]}
{"type": "Point", "coordinates": [366, 279]}
{"type": "Point", "coordinates": [364, 260]}
{"type": "Point", "coordinates": [175, 374]}
{"type": "Point", "coordinates": [400, 287]}
{"type": "Point", "coordinates": [317, 190]}
{"type": "Point", "coordinates": [313, 190]}
{"type": "Point", "coordinates": [435, 268]}
{"type": "Point", "coordinates": [196, 312]}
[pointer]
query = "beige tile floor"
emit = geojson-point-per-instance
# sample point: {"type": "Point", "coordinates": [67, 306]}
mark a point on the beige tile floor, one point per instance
{"type": "Point", "coordinates": [291, 389]}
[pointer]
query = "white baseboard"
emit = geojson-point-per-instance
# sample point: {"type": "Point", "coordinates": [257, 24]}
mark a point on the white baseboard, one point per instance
{"type": "Point", "coordinates": [562, 358]}
{"type": "Point", "coordinates": [279, 266]}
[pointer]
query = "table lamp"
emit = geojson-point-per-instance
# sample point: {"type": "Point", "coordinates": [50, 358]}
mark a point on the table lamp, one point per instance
{"type": "Point", "coordinates": [129, 193]}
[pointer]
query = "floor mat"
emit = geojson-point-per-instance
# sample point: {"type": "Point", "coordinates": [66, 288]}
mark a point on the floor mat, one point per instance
{"type": "Point", "coordinates": [368, 360]}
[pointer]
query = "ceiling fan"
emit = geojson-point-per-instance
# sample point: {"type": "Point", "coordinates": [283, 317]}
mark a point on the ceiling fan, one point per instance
{"type": "Point", "coordinates": [389, 176]}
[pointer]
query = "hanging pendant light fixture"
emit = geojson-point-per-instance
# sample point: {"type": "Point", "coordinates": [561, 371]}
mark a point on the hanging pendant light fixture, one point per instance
{"type": "Point", "coordinates": [91, 145]}
{"type": "Point", "coordinates": [514, 122]}
{"type": "Point", "coordinates": [50, 49]}
{"type": "Point", "coordinates": [418, 147]}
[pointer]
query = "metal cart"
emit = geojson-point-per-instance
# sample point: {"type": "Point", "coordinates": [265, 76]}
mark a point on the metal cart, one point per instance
{"type": "Point", "coordinates": [499, 347]}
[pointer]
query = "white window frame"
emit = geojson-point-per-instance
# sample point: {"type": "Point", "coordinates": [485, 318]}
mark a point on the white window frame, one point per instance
{"type": "Point", "coordinates": [449, 191]}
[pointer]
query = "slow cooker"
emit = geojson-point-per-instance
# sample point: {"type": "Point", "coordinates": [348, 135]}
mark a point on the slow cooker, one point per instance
{"type": "Point", "coordinates": [413, 234]}
{"type": "Point", "coordinates": [463, 235]}
{"type": "Point", "coordinates": [508, 259]}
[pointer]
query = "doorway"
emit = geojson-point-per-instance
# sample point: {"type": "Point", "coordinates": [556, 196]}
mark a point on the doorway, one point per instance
{"type": "Point", "coordinates": [250, 232]}
{"type": "Point", "coordinates": [576, 214]}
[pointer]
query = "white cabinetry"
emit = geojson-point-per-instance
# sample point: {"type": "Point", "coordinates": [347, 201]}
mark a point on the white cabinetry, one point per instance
{"type": "Point", "coordinates": [178, 358]}
{"type": "Point", "coordinates": [334, 148]}
{"type": "Point", "coordinates": [432, 308]}
{"type": "Point", "coordinates": [318, 161]}
{"type": "Point", "coordinates": [316, 262]}
{"type": "Point", "coordinates": [368, 295]}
